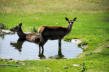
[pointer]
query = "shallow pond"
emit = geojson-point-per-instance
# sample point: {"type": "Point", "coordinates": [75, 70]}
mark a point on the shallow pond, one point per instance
{"type": "Point", "coordinates": [11, 47]}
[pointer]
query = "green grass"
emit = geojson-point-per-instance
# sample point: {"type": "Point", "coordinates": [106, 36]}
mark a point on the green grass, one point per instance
{"type": "Point", "coordinates": [92, 26]}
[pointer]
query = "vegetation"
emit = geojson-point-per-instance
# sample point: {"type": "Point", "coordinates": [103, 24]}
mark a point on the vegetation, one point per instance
{"type": "Point", "coordinates": [2, 26]}
{"type": "Point", "coordinates": [34, 30]}
{"type": "Point", "coordinates": [92, 26]}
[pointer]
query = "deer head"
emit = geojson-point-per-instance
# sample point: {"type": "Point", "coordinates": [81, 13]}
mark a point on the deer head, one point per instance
{"type": "Point", "coordinates": [17, 28]}
{"type": "Point", "coordinates": [70, 21]}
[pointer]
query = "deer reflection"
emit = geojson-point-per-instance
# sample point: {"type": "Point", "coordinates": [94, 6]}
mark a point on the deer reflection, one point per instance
{"type": "Point", "coordinates": [59, 55]}
{"type": "Point", "coordinates": [41, 55]}
{"type": "Point", "coordinates": [18, 45]}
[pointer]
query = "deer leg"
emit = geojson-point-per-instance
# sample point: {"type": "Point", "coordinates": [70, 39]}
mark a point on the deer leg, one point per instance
{"type": "Point", "coordinates": [59, 47]}
{"type": "Point", "coordinates": [39, 49]}
{"type": "Point", "coordinates": [59, 43]}
{"type": "Point", "coordinates": [42, 49]}
{"type": "Point", "coordinates": [41, 37]}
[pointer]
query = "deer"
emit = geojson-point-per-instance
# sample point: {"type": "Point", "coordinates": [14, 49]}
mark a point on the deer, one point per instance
{"type": "Point", "coordinates": [55, 32]}
{"type": "Point", "coordinates": [31, 37]}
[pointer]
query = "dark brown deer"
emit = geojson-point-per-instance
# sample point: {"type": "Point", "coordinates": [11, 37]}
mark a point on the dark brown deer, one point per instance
{"type": "Point", "coordinates": [31, 37]}
{"type": "Point", "coordinates": [56, 32]}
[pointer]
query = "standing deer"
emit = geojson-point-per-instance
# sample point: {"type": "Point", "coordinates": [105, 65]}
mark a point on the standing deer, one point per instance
{"type": "Point", "coordinates": [55, 32]}
{"type": "Point", "coordinates": [29, 37]}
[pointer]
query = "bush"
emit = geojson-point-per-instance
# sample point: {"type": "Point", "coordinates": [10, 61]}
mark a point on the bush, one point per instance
{"type": "Point", "coordinates": [83, 43]}
{"type": "Point", "coordinates": [2, 26]}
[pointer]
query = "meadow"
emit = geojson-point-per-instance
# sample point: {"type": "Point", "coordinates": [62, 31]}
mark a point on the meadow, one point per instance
{"type": "Point", "coordinates": [92, 26]}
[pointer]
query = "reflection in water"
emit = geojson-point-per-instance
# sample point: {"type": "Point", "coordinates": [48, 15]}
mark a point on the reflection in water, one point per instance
{"type": "Point", "coordinates": [13, 47]}
{"type": "Point", "coordinates": [19, 43]}
{"type": "Point", "coordinates": [60, 55]}
{"type": "Point", "coordinates": [42, 56]}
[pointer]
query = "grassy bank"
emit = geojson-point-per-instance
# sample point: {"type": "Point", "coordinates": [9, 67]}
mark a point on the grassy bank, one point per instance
{"type": "Point", "coordinates": [92, 26]}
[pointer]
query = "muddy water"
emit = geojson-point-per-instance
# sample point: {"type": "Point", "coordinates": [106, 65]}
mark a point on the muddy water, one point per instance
{"type": "Point", "coordinates": [11, 47]}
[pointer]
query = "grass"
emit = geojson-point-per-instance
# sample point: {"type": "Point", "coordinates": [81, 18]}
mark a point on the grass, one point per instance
{"type": "Point", "coordinates": [92, 26]}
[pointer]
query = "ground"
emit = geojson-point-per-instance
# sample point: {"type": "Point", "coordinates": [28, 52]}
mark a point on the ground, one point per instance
{"type": "Point", "coordinates": [92, 26]}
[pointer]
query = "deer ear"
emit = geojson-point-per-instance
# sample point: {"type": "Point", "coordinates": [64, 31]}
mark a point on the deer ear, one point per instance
{"type": "Point", "coordinates": [66, 19]}
{"type": "Point", "coordinates": [20, 24]}
{"type": "Point", "coordinates": [75, 19]}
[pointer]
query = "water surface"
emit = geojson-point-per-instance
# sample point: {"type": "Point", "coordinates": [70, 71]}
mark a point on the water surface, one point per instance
{"type": "Point", "coordinates": [12, 47]}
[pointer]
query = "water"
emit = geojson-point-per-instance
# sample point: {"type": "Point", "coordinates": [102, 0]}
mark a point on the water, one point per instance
{"type": "Point", "coordinates": [11, 47]}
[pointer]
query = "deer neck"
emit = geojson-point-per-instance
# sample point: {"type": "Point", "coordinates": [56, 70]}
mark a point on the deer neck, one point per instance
{"type": "Point", "coordinates": [21, 34]}
{"type": "Point", "coordinates": [69, 28]}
